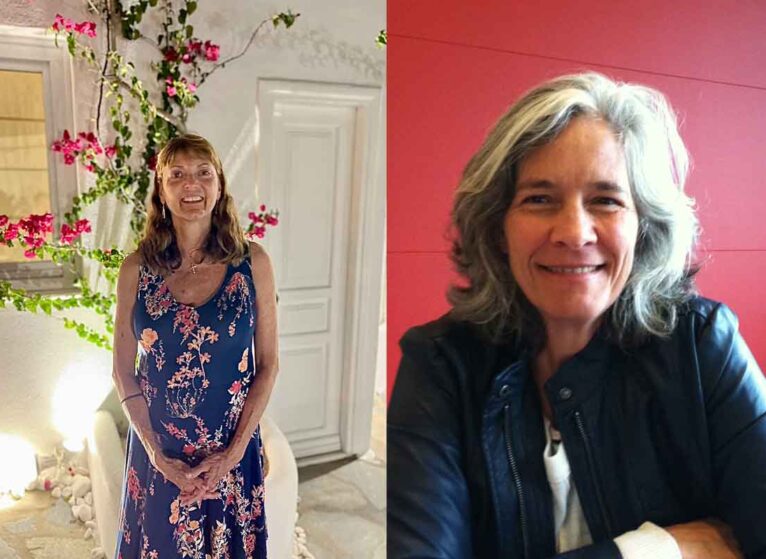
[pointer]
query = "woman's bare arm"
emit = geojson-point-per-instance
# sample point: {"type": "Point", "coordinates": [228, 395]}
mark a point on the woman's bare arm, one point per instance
{"type": "Point", "coordinates": [124, 356]}
{"type": "Point", "coordinates": [123, 373]}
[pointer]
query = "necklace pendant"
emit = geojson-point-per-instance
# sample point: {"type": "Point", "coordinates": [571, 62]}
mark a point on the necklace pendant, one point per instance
{"type": "Point", "coordinates": [194, 268]}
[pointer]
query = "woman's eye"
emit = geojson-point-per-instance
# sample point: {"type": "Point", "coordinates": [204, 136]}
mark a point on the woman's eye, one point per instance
{"type": "Point", "coordinates": [205, 172]}
{"type": "Point", "coordinates": [607, 201]}
{"type": "Point", "coordinates": [536, 199]}
{"type": "Point", "coordinates": [176, 174]}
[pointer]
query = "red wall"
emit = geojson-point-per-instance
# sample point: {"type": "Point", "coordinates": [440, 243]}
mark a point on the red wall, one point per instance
{"type": "Point", "coordinates": [455, 66]}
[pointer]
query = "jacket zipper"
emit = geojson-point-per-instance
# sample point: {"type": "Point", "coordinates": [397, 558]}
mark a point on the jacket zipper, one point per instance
{"type": "Point", "coordinates": [516, 478]}
{"type": "Point", "coordinates": [591, 467]}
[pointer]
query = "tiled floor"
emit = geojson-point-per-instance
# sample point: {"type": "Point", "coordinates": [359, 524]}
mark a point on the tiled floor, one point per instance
{"type": "Point", "coordinates": [343, 504]}
{"type": "Point", "coordinates": [41, 527]}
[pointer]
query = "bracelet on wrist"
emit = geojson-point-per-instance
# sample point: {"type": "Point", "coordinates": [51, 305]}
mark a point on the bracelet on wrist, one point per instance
{"type": "Point", "coordinates": [126, 398]}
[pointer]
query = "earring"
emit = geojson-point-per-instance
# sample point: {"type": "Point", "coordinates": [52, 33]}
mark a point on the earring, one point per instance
{"type": "Point", "coordinates": [163, 212]}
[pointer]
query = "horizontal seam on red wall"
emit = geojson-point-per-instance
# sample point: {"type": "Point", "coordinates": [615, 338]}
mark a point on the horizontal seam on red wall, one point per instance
{"type": "Point", "coordinates": [598, 64]}
{"type": "Point", "coordinates": [707, 251]}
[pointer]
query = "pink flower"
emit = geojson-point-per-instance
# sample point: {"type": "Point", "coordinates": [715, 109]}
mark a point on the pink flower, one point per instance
{"type": "Point", "coordinates": [171, 90]}
{"type": "Point", "coordinates": [61, 23]}
{"type": "Point", "coordinates": [3, 220]}
{"type": "Point", "coordinates": [71, 148]}
{"type": "Point", "coordinates": [37, 224]}
{"type": "Point", "coordinates": [12, 231]}
{"type": "Point", "coordinates": [236, 386]}
{"type": "Point", "coordinates": [212, 51]}
{"type": "Point", "coordinates": [259, 231]}
{"type": "Point", "coordinates": [69, 234]}
{"type": "Point", "coordinates": [171, 55]}
{"type": "Point", "coordinates": [187, 57]}
{"type": "Point", "coordinates": [189, 449]}
{"type": "Point", "coordinates": [29, 253]}
{"type": "Point", "coordinates": [192, 87]}
{"type": "Point", "coordinates": [195, 46]}
{"type": "Point", "coordinates": [34, 242]}
{"type": "Point", "coordinates": [86, 28]}
{"type": "Point", "coordinates": [82, 226]}
{"type": "Point", "coordinates": [272, 220]}
{"type": "Point", "coordinates": [110, 151]}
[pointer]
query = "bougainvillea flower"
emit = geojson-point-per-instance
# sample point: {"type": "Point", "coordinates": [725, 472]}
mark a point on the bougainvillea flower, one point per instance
{"type": "Point", "coordinates": [194, 46]}
{"type": "Point", "coordinates": [3, 220]}
{"type": "Point", "coordinates": [69, 234]}
{"type": "Point", "coordinates": [170, 90]}
{"type": "Point", "coordinates": [110, 151]}
{"type": "Point", "coordinates": [60, 23]}
{"type": "Point", "coordinates": [212, 51]}
{"type": "Point", "coordinates": [87, 28]}
{"type": "Point", "coordinates": [171, 54]}
{"type": "Point", "coordinates": [12, 232]}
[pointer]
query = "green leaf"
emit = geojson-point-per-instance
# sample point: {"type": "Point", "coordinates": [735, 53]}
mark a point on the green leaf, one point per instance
{"type": "Point", "coordinates": [189, 31]}
{"type": "Point", "coordinates": [382, 39]}
{"type": "Point", "coordinates": [182, 16]}
{"type": "Point", "coordinates": [287, 18]}
{"type": "Point", "coordinates": [191, 7]}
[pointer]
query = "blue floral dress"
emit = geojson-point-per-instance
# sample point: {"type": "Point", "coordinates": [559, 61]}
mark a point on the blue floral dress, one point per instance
{"type": "Point", "coordinates": [194, 367]}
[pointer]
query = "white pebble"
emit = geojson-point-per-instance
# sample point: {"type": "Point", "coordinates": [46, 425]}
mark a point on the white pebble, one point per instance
{"type": "Point", "coordinates": [88, 534]}
{"type": "Point", "coordinates": [85, 513]}
{"type": "Point", "coordinates": [80, 486]}
{"type": "Point", "coordinates": [56, 492]}
{"type": "Point", "coordinates": [67, 491]}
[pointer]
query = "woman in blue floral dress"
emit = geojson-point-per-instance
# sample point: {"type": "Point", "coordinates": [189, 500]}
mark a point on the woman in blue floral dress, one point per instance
{"type": "Point", "coordinates": [195, 358]}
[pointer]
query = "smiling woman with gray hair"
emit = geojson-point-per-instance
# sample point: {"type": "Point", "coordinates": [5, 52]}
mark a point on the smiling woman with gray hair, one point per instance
{"type": "Point", "coordinates": [579, 398]}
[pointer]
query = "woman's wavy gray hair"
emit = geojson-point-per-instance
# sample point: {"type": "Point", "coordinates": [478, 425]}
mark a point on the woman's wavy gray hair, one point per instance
{"type": "Point", "coordinates": [657, 164]}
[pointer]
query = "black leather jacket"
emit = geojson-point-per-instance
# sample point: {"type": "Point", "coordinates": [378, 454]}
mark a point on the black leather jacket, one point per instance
{"type": "Point", "coordinates": [670, 432]}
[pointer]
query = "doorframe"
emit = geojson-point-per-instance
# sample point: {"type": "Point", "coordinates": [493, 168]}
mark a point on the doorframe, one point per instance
{"type": "Point", "coordinates": [366, 245]}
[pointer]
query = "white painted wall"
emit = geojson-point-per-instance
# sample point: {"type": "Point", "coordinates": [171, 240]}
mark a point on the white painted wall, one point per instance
{"type": "Point", "coordinates": [332, 41]}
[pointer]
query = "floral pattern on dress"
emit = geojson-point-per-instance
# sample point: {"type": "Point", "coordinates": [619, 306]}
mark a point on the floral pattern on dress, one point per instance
{"type": "Point", "coordinates": [236, 295]}
{"type": "Point", "coordinates": [158, 299]}
{"type": "Point", "coordinates": [199, 362]}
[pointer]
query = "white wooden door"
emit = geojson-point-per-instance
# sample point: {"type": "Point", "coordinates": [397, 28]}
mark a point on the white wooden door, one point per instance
{"type": "Point", "coordinates": [313, 145]}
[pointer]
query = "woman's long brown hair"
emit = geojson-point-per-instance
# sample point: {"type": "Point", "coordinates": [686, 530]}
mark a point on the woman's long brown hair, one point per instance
{"type": "Point", "coordinates": [226, 241]}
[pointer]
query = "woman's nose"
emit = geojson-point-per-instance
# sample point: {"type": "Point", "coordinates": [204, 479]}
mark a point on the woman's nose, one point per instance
{"type": "Point", "coordinates": [573, 227]}
{"type": "Point", "coordinates": [190, 180]}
